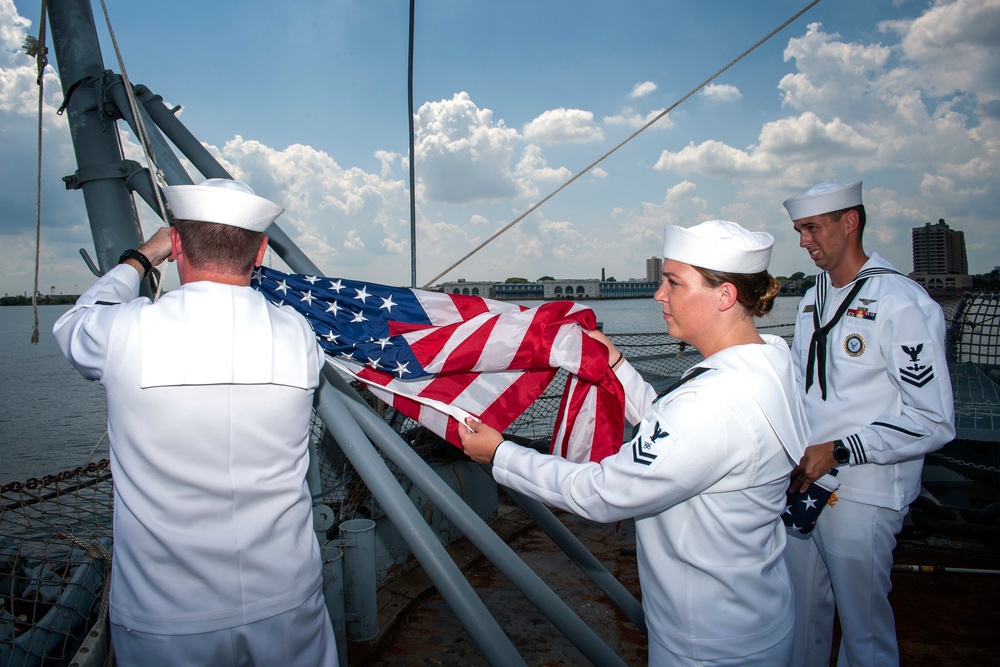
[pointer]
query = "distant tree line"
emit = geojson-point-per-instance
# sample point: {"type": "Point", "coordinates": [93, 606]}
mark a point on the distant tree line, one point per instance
{"type": "Point", "coordinates": [986, 282]}
{"type": "Point", "coordinates": [807, 281]}
{"type": "Point", "coordinates": [21, 300]}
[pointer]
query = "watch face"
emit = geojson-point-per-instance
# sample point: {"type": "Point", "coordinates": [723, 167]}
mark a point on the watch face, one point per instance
{"type": "Point", "coordinates": [841, 453]}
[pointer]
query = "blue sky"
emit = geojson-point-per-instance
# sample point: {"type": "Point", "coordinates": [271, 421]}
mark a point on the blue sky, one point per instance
{"type": "Point", "coordinates": [306, 101]}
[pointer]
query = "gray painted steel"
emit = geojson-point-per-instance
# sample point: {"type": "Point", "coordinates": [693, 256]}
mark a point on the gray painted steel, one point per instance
{"type": "Point", "coordinates": [488, 542]}
{"type": "Point", "coordinates": [442, 570]}
{"type": "Point", "coordinates": [357, 540]}
{"type": "Point", "coordinates": [100, 168]}
{"type": "Point", "coordinates": [333, 594]}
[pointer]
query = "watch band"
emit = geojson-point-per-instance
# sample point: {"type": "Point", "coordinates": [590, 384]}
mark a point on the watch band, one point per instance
{"type": "Point", "coordinates": [840, 452]}
{"type": "Point", "coordinates": [132, 253]}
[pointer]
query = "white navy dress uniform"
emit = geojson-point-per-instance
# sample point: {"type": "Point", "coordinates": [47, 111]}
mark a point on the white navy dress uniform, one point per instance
{"type": "Point", "coordinates": [705, 478]}
{"type": "Point", "coordinates": [875, 378]}
{"type": "Point", "coordinates": [210, 393]}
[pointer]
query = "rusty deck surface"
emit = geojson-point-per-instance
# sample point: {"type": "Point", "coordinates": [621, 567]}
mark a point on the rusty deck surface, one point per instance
{"type": "Point", "coordinates": [942, 618]}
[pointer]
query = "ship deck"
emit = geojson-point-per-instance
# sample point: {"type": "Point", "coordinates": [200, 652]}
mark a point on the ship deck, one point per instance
{"type": "Point", "coordinates": [942, 618]}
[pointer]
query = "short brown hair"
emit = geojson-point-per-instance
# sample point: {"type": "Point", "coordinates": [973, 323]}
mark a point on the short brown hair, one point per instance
{"type": "Point", "coordinates": [222, 248]}
{"type": "Point", "coordinates": [862, 217]}
{"type": "Point", "coordinates": [754, 291]}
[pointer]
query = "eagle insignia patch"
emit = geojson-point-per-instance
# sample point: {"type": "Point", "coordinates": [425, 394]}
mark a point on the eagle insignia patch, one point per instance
{"type": "Point", "coordinates": [916, 364]}
{"type": "Point", "coordinates": [642, 447]}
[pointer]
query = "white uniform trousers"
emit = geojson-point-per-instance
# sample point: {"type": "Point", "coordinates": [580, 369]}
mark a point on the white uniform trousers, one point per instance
{"type": "Point", "coordinates": [300, 637]}
{"type": "Point", "coordinates": [845, 564]}
{"type": "Point", "coordinates": [778, 655]}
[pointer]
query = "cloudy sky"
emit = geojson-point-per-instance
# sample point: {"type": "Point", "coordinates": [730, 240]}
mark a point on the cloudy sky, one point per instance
{"type": "Point", "coordinates": [307, 102]}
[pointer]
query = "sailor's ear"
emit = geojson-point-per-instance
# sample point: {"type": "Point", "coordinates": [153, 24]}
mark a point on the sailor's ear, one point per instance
{"type": "Point", "coordinates": [261, 252]}
{"type": "Point", "coordinates": [850, 220]}
{"type": "Point", "coordinates": [727, 296]}
{"type": "Point", "coordinates": [175, 243]}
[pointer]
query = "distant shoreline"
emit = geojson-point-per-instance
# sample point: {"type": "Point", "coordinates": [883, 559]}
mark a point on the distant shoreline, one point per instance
{"type": "Point", "coordinates": [57, 300]}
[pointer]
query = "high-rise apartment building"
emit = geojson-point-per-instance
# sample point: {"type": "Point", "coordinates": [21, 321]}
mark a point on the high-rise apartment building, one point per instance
{"type": "Point", "coordinates": [654, 269]}
{"type": "Point", "coordinates": [939, 260]}
{"type": "Point", "coordinates": [939, 250]}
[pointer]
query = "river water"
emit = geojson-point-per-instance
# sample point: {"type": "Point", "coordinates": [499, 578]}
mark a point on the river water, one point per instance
{"type": "Point", "coordinates": [52, 418]}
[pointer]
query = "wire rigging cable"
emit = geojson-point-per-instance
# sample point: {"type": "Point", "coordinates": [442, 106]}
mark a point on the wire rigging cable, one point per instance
{"type": "Point", "coordinates": [596, 162]}
{"type": "Point", "coordinates": [147, 148]}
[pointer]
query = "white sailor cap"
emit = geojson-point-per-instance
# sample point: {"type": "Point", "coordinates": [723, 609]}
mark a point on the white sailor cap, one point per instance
{"type": "Point", "coordinates": [824, 198]}
{"type": "Point", "coordinates": [718, 245]}
{"type": "Point", "coordinates": [224, 201]}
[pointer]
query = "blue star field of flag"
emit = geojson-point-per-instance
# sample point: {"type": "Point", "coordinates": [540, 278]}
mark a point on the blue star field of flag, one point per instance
{"type": "Point", "coordinates": [802, 508]}
{"type": "Point", "coordinates": [351, 318]}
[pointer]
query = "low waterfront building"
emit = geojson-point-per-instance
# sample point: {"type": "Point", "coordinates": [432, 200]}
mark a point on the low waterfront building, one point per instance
{"type": "Point", "coordinates": [474, 288]}
{"type": "Point", "coordinates": [630, 289]}
{"type": "Point", "coordinates": [518, 291]}
{"type": "Point", "coordinates": [588, 288]}
{"type": "Point", "coordinates": [943, 285]}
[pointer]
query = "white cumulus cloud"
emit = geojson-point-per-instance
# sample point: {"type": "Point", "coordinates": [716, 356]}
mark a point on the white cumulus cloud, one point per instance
{"type": "Point", "coordinates": [642, 89]}
{"type": "Point", "coordinates": [721, 92]}
{"type": "Point", "coordinates": [564, 126]}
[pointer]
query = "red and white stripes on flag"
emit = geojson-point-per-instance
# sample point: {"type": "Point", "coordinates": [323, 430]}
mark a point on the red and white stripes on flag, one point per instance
{"type": "Point", "coordinates": [438, 358]}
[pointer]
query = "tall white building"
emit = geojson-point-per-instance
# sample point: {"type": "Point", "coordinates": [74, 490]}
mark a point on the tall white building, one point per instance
{"type": "Point", "coordinates": [654, 269]}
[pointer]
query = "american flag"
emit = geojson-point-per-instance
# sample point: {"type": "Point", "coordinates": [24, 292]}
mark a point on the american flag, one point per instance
{"type": "Point", "coordinates": [438, 357]}
{"type": "Point", "coordinates": [802, 508]}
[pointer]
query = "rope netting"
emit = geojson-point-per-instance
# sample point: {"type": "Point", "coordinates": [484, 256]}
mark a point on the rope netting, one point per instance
{"type": "Point", "coordinates": [51, 587]}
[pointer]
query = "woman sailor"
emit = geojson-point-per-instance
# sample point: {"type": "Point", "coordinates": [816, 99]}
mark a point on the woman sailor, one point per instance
{"type": "Point", "coordinates": [706, 472]}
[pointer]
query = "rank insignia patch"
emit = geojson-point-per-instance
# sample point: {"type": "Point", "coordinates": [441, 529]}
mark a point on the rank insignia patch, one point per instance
{"type": "Point", "coordinates": [917, 369]}
{"type": "Point", "coordinates": [642, 447]}
{"type": "Point", "coordinates": [854, 345]}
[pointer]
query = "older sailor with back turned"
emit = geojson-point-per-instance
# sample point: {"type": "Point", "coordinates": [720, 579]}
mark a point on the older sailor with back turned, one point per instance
{"type": "Point", "coordinates": [870, 363]}
{"type": "Point", "coordinates": [210, 394]}
{"type": "Point", "coordinates": [705, 474]}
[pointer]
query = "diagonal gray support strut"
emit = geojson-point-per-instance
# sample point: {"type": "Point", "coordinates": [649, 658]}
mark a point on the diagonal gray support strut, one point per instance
{"type": "Point", "coordinates": [433, 557]}
{"type": "Point", "coordinates": [488, 542]}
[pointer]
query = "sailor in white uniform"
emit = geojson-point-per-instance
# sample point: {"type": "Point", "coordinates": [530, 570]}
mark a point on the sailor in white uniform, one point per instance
{"type": "Point", "coordinates": [210, 394]}
{"type": "Point", "coordinates": [870, 363]}
{"type": "Point", "coordinates": [706, 472]}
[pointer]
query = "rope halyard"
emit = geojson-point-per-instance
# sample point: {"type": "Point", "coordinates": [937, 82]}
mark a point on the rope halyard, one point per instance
{"type": "Point", "coordinates": [36, 49]}
{"type": "Point", "coordinates": [629, 138]}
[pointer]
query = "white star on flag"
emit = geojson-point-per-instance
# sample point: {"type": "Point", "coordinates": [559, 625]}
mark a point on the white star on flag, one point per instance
{"type": "Point", "coordinates": [438, 358]}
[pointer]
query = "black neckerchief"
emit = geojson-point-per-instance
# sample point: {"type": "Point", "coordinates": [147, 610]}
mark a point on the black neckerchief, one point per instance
{"type": "Point", "coordinates": [692, 374]}
{"type": "Point", "coordinates": [817, 344]}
